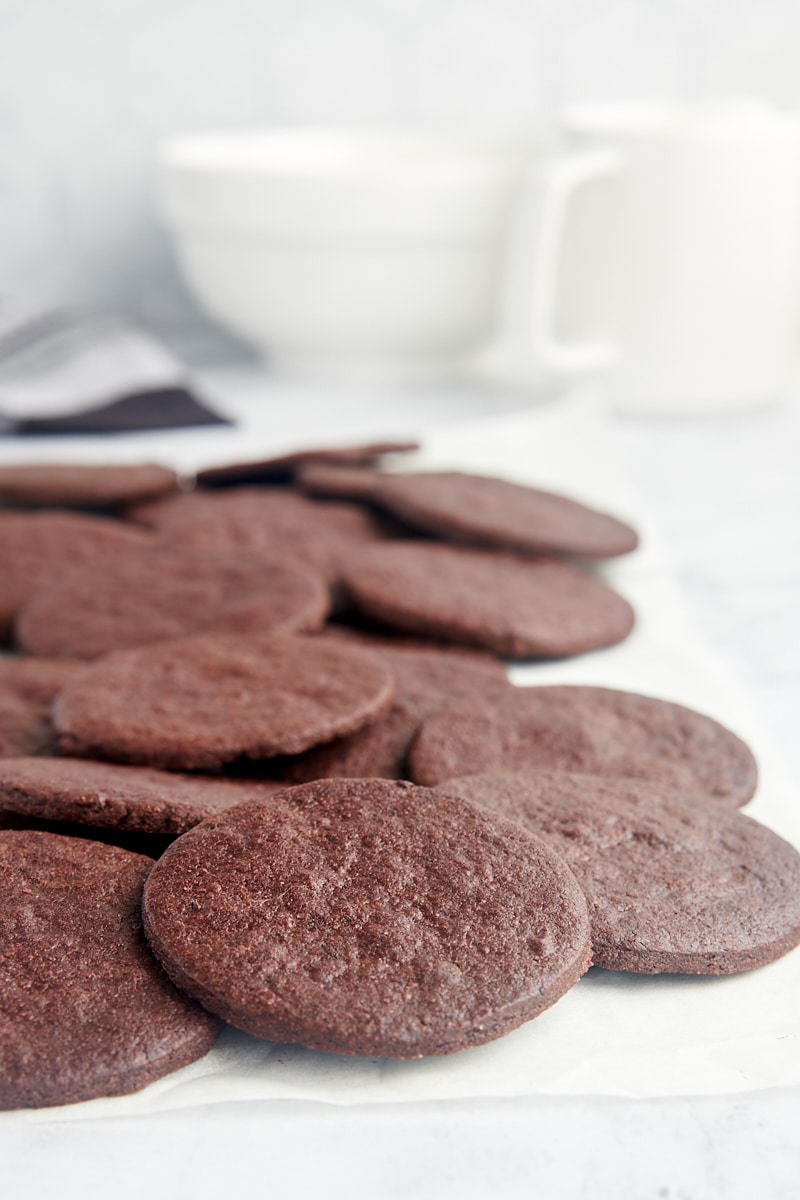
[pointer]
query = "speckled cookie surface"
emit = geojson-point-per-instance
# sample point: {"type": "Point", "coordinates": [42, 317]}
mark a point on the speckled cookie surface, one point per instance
{"type": "Point", "coordinates": [367, 917]}
{"type": "Point", "coordinates": [67, 485]}
{"type": "Point", "coordinates": [283, 467]}
{"type": "Point", "coordinates": [36, 549]}
{"type": "Point", "coordinates": [152, 594]}
{"type": "Point", "coordinates": [112, 796]}
{"type": "Point", "coordinates": [425, 678]}
{"type": "Point", "coordinates": [517, 609]}
{"type": "Point", "coordinates": [485, 511]}
{"type": "Point", "coordinates": [670, 887]}
{"type": "Point", "coordinates": [27, 689]}
{"type": "Point", "coordinates": [597, 731]}
{"type": "Point", "coordinates": [85, 1010]}
{"type": "Point", "coordinates": [262, 522]}
{"type": "Point", "coordinates": [199, 702]}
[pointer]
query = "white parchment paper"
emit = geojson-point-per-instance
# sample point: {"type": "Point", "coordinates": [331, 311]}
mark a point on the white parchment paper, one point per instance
{"type": "Point", "coordinates": [613, 1034]}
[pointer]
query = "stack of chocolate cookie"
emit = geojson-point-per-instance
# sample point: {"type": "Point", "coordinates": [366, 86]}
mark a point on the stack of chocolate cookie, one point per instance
{"type": "Point", "coordinates": [290, 667]}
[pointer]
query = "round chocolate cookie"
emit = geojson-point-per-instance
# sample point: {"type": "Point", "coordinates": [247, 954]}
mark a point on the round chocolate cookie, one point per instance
{"type": "Point", "coordinates": [425, 678]}
{"type": "Point", "coordinates": [70, 485]}
{"type": "Point", "coordinates": [262, 523]}
{"type": "Point", "coordinates": [669, 887]}
{"type": "Point", "coordinates": [283, 468]}
{"type": "Point", "coordinates": [152, 845]}
{"type": "Point", "coordinates": [36, 549]}
{"type": "Point", "coordinates": [202, 701]}
{"type": "Point", "coordinates": [596, 731]}
{"type": "Point", "coordinates": [484, 511]}
{"type": "Point", "coordinates": [338, 480]}
{"type": "Point", "coordinates": [85, 1010]}
{"type": "Point", "coordinates": [151, 594]}
{"type": "Point", "coordinates": [28, 687]}
{"type": "Point", "coordinates": [367, 917]}
{"type": "Point", "coordinates": [513, 607]}
{"type": "Point", "coordinates": [109, 796]}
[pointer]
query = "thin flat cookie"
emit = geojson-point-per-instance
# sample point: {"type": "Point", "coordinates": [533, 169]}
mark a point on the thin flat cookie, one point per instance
{"type": "Point", "coordinates": [28, 687]}
{"type": "Point", "coordinates": [283, 468]}
{"type": "Point", "coordinates": [481, 510]}
{"type": "Point", "coordinates": [73, 485]}
{"type": "Point", "coordinates": [151, 594]}
{"type": "Point", "coordinates": [105, 795]}
{"type": "Point", "coordinates": [367, 917]}
{"type": "Point", "coordinates": [425, 678]}
{"type": "Point", "coordinates": [37, 548]}
{"type": "Point", "coordinates": [670, 886]}
{"type": "Point", "coordinates": [486, 511]}
{"type": "Point", "coordinates": [85, 1010]}
{"type": "Point", "coordinates": [591, 730]}
{"type": "Point", "coordinates": [510, 606]}
{"type": "Point", "coordinates": [262, 523]}
{"type": "Point", "coordinates": [199, 702]}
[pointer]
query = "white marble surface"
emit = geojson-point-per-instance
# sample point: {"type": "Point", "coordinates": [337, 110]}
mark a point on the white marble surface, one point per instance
{"type": "Point", "coordinates": [725, 495]}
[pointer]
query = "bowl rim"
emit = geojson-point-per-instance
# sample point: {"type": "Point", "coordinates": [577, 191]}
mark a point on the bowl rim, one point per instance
{"type": "Point", "coordinates": [346, 152]}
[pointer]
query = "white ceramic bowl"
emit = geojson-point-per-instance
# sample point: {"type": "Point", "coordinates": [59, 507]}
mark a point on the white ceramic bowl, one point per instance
{"type": "Point", "coordinates": [345, 253]}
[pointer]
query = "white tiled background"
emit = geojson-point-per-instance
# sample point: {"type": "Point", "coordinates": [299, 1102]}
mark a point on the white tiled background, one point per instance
{"type": "Point", "coordinates": [87, 87]}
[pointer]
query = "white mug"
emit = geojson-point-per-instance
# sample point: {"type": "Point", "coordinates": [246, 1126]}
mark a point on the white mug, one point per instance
{"type": "Point", "coordinates": [669, 254]}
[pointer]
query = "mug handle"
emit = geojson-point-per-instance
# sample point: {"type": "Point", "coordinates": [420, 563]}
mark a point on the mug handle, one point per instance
{"type": "Point", "coordinates": [560, 179]}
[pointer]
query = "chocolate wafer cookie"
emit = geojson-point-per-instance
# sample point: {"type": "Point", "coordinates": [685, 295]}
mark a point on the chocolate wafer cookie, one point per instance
{"type": "Point", "coordinates": [597, 731]}
{"type": "Point", "coordinates": [72, 485]}
{"type": "Point", "coordinates": [38, 548]}
{"type": "Point", "coordinates": [483, 511]}
{"type": "Point", "coordinates": [261, 523]}
{"type": "Point", "coordinates": [149, 594]}
{"type": "Point", "coordinates": [670, 886]}
{"type": "Point", "coordinates": [28, 687]}
{"type": "Point", "coordinates": [198, 702]}
{"type": "Point", "coordinates": [152, 845]}
{"type": "Point", "coordinates": [338, 481]}
{"type": "Point", "coordinates": [106, 795]}
{"type": "Point", "coordinates": [510, 606]}
{"type": "Point", "coordinates": [367, 917]}
{"type": "Point", "coordinates": [425, 678]}
{"type": "Point", "coordinates": [86, 1011]}
{"type": "Point", "coordinates": [283, 468]}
